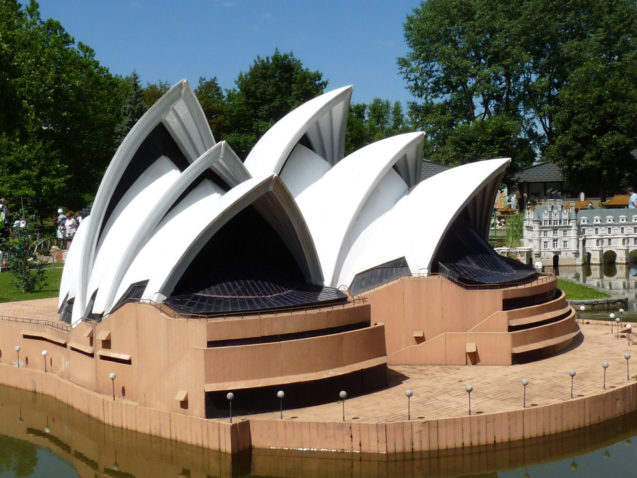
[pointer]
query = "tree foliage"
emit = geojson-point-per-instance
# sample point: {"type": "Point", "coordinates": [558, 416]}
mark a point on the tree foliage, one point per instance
{"type": "Point", "coordinates": [596, 128]}
{"type": "Point", "coordinates": [213, 103]}
{"type": "Point", "coordinates": [24, 265]}
{"type": "Point", "coordinates": [271, 88]}
{"type": "Point", "coordinates": [153, 91]}
{"type": "Point", "coordinates": [375, 121]}
{"type": "Point", "coordinates": [58, 111]}
{"type": "Point", "coordinates": [133, 108]}
{"type": "Point", "coordinates": [496, 78]}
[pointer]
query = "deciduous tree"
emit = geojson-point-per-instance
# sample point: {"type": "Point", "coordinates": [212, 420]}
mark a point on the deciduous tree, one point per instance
{"type": "Point", "coordinates": [272, 87]}
{"type": "Point", "coordinates": [58, 111]}
{"type": "Point", "coordinates": [510, 78]}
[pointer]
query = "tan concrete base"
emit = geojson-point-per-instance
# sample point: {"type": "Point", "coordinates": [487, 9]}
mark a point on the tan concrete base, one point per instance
{"type": "Point", "coordinates": [212, 434]}
{"type": "Point", "coordinates": [348, 436]}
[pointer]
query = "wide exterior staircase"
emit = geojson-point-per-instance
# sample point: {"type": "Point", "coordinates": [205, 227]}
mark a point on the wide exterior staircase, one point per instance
{"type": "Point", "coordinates": [434, 320]}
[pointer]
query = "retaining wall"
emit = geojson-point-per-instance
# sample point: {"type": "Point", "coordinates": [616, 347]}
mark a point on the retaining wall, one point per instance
{"type": "Point", "coordinates": [394, 437]}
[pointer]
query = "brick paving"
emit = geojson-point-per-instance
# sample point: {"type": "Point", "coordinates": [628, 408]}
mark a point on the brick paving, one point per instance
{"type": "Point", "coordinates": [439, 391]}
{"type": "Point", "coordinates": [41, 309]}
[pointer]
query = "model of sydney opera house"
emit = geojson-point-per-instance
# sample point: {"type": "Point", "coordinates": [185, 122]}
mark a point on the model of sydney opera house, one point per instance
{"type": "Point", "coordinates": [197, 274]}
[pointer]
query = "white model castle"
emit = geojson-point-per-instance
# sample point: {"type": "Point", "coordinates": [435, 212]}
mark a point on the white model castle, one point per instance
{"type": "Point", "coordinates": [589, 235]}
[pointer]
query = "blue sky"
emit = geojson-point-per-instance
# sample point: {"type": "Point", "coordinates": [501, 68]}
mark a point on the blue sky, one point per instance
{"type": "Point", "coordinates": [350, 41]}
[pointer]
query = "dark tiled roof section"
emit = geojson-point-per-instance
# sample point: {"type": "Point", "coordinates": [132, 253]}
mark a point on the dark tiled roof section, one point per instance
{"type": "Point", "coordinates": [235, 296]}
{"type": "Point", "coordinates": [538, 212]}
{"type": "Point", "coordinates": [604, 213]}
{"type": "Point", "coordinates": [540, 173]}
{"type": "Point", "coordinates": [430, 169]}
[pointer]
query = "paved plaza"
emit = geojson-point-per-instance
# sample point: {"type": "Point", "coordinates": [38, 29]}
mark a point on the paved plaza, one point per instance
{"type": "Point", "coordinates": [439, 391]}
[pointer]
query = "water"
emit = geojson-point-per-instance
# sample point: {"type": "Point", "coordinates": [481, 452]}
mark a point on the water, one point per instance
{"type": "Point", "coordinates": [41, 437]}
{"type": "Point", "coordinates": [22, 458]}
{"type": "Point", "coordinates": [619, 280]}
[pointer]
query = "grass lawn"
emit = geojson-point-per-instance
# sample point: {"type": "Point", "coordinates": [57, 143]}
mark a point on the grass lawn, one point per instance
{"type": "Point", "coordinates": [575, 291]}
{"type": "Point", "coordinates": [10, 293]}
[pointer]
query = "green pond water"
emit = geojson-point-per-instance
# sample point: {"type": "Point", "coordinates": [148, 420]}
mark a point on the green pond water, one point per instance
{"type": "Point", "coordinates": [41, 437]}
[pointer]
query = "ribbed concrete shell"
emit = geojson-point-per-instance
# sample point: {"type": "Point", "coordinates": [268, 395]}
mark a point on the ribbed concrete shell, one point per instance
{"type": "Point", "coordinates": [336, 216]}
{"type": "Point", "coordinates": [322, 119]}
{"type": "Point", "coordinates": [179, 112]}
{"type": "Point", "coordinates": [354, 192]}
{"type": "Point", "coordinates": [416, 225]}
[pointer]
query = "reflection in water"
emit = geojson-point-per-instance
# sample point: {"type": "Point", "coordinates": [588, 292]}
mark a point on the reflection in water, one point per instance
{"type": "Point", "coordinates": [619, 280]}
{"type": "Point", "coordinates": [17, 456]}
{"type": "Point", "coordinates": [94, 449]}
{"type": "Point", "coordinates": [21, 458]}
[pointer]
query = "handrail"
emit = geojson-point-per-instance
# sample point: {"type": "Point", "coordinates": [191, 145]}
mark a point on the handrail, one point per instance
{"type": "Point", "coordinates": [47, 323]}
{"type": "Point", "coordinates": [540, 279]}
{"type": "Point", "coordinates": [165, 309]}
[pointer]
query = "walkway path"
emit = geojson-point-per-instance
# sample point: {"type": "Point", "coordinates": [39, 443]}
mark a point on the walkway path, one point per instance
{"type": "Point", "coordinates": [439, 391]}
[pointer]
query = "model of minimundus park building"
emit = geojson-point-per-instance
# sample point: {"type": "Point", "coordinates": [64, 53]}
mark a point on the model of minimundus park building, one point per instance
{"type": "Point", "coordinates": [300, 269]}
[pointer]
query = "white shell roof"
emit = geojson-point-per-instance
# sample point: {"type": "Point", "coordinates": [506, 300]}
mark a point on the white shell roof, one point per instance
{"type": "Point", "coordinates": [179, 111]}
{"type": "Point", "coordinates": [337, 216]}
{"type": "Point", "coordinates": [334, 203]}
{"type": "Point", "coordinates": [322, 119]}
{"type": "Point", "coordinates": [414, 227]}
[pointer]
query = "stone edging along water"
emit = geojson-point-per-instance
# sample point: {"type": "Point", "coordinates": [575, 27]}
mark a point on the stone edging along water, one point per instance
{"type": "Point", "coordinates": [348, 436]}
{"type": "Point", "coordinates": [606, 303]}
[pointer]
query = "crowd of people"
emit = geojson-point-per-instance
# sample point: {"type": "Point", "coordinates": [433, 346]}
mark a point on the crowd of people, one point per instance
{"type": "Point", "coordinates": [66, 223]}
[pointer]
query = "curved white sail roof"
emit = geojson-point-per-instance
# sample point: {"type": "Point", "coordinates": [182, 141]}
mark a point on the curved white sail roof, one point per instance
{"type": "Point", "coordinates": [322, 119]}
{"type": "Point", "coordinates": [416, 225]}
{"type": "Point", "coordinates": [158, 203]}
{"type": "Point", "coordinates": [200, 216]}
{"type": "Point", "coordinates": [334, 203]}
{"type": "Point", "coordinates": [170, 189]}
{"type": "Point", "coordinates": [178, 111]}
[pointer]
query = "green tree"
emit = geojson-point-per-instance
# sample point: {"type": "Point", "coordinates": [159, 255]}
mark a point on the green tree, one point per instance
{"type": "Point", "coordinates": [133, 108]}
{"type": "Point", "coordinates": [465, 64]}
{"type": "Point", "coordinates": [213, 103]}
{"type": "Point", "coordinates": [58, 111]}
{"type": "Point", "coordinates": [24, 265]}
{"type": "Point", "coordinates": [368, 123]}
{"type": "Point", "coordinates": [499, 78]}
{"type": "Point", "coordinates": [560, 38]}
{"type": "Point", "coordinates": [153, 91]}
{"type": "Point", "coordinates": [596, 128]}
{"type": "Point", "coordinates": [271, 88]}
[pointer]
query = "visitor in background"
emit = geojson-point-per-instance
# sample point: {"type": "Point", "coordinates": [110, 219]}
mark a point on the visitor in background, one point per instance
{"type": "Point", "coordinates": [78, 218]}
{"type": "Point", "coordinates": [70, 225]}
{"type": "Point", "coordinates": [4, 218]}
{"type": "Point", "coordinates": [61, 230]}
{"type": "Point", "coordinates": [632, 200]}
